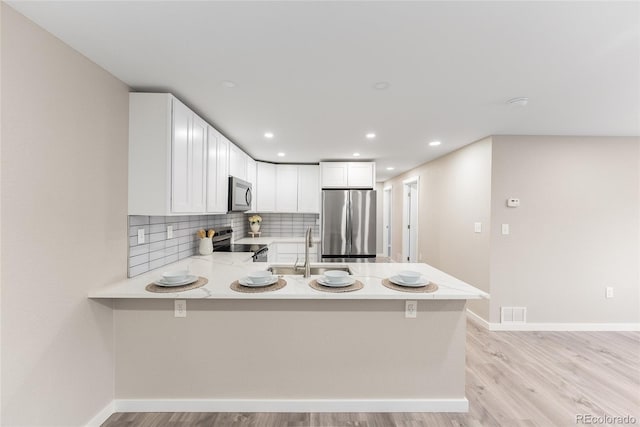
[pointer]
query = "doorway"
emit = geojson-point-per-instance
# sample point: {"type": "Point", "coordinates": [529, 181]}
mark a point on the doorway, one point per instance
{"type": "Point", "coordinates": [386, 222]}
{"type": "Point", "coordinates": [410, 220]}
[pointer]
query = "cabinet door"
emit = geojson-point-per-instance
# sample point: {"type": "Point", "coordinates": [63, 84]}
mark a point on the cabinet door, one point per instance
{"type": "Point", "coordinates": [266, 187]}
{"type": "Point", "coordinates": [286, 188]}
{"type": "Point", "coordinates": [334, 174]}
{"type": "Point", "coordinates": [360, 174]}
{"type": "Point", "coordinates": [217, 172]}
{"type": "Point", "coordinates": [180, 159]}
{"type": "Point", "coordinates": [251, 177]}
{"type": "Point", "coordinates": [309, 188]}
{"type": "Point", "coordinates": [198, 175]}
{"type": "Point", "coordinates": [237, 162]}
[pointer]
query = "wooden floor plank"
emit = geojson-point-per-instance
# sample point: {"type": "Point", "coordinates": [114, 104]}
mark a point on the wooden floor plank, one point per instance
{"type": "Point", "coordinates": [528, 379]}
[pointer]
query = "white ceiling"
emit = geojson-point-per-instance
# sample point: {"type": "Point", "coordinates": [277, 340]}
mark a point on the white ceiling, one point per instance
{"type": "Point", "coordinates": [305, 70]}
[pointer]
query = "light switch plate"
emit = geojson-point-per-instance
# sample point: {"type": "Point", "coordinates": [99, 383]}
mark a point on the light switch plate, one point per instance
{"type": "Point", "coordinates": [477, 227]}
{"type": "Point", "coordinates": [505, 229]}
{"type": "Point", "coordinates": [609, 292]}
{"type": "Point", "coordinates": [140, 235]}
{"type": "Point", "coordinates": [169, 231]}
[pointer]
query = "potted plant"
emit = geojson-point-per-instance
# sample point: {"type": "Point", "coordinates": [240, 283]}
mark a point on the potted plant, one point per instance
{"type": "Point", "coordinates": [254, 222]}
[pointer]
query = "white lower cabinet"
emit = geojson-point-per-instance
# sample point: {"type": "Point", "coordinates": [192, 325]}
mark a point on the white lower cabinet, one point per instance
{"type": "Point", "coordinates": [288, 253]}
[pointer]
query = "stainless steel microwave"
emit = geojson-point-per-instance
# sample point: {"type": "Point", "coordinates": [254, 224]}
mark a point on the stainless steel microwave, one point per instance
{"type": "Point", "coordinates": [239, 195]}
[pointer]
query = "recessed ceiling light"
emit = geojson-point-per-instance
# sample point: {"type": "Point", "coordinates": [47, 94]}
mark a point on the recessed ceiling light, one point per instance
{"type": "Point", "coordinates": [268, 135]}
{"type": "Point", "coordinates": [520, 102]}
{"type": "Point", "coordinates": [280, 154]}
{"type": "Point", "coordinates": [435, 143]}
{"type": "Point", "coordinates": [228, 83]}
{"type": "Point", "coordinates": [390, 168]}
{"type": "Point", "coordinates": [370, 135]}
{"type": "Point", "coordinates": [356, 154]}
{"type": "Point", "coordinates": [381, 85]}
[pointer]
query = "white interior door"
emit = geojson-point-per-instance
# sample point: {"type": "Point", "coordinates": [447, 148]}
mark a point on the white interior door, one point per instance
{"type": "Point", "coordinates": [386, 221]}
{"type": "Point", "coordinates": [410, 221]}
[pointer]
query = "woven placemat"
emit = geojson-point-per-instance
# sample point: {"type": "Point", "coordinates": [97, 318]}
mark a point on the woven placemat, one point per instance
{"type": "Point", "coordinates": [352, 287]}
{"type": "Point", "coordinates": [236, 286]}
{"type": "Point", "coordinates": [152, 287]}
{"type": "Point", "coordinates": [431, 287]}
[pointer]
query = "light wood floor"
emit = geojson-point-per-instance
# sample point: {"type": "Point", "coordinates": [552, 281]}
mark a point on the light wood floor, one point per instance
{"type": "Point", "coordinates": [513, 379]}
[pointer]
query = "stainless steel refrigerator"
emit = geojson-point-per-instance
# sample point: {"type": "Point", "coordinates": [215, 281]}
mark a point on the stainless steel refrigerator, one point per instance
{"type": "Point", "coordinates": [348, 225]}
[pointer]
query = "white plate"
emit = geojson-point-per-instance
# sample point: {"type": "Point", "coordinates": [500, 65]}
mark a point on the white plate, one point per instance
{"type": "Point", "coordinates": [398, 281]}
{"type": "Point", "coordinates": [245, 281]}
{"type": "Point", "coordinates": [189, 279]}
{"type": "Point", "coordinates": [347, 282]}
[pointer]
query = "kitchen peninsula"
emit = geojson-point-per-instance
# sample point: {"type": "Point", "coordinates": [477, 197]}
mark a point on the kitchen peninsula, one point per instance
{"type": "Point", "coordinates": [294, 349]}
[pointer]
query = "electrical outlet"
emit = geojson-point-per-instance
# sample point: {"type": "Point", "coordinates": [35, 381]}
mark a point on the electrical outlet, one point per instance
{"type": "Point", "coordinates": [410, 309]}
{"type": "Point", "coordinates": [505, 229]}
{"type": "Point", "coordinates": [317, 221]}
{"type": "Point", "coordinates": [609, 292]}
{"type": "Point", "coordinates": [169, 231]}
{"type": "Point", "coordinates": [180, 308]}
{"type": "Point", "coordinates": [477, 227]}
{"type": "Point", "coordinates": [140, 235]}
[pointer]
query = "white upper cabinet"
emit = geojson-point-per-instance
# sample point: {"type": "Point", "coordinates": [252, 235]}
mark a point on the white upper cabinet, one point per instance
{"type": "Point", "coordinates": [361, 175]}
{"type": "Point", "coordinates": [334, 174]}
{"type": "Point", "coordinates": [286, 188]}
{"type": "Point", "coordinates": [251, 177]}
{"type": "Point", "coordinates": [237, 162]}
{"type": "Point", "coordinates": [217, 172]}
{"type": "Point", "coordinates": [265, 193]}
{"type": "Point", "coordinates": [348, 174]}
{"type": "Point", "coordinates": [167, 156]}
{"type": "Point", "coordinates": [309, 190]}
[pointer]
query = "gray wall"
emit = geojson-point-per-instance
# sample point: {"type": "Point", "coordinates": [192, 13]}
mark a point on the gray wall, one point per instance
{"type": "Point", "coordinates": [64, 226]}
{"type": "Point", "coordinates": [243, 349]}
{"type": "Point", "coordinates": [576, 230]}
{"type": "Point", "coordinates": [454, 192]}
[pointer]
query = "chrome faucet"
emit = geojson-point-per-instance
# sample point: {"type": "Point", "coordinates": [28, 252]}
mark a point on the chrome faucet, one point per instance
{"type": "Point", "coordinates": [308, 243]}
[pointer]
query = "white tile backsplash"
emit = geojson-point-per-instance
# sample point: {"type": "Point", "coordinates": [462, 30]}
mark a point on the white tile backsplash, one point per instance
{"type": "Point", "coordinates": [157, 250]}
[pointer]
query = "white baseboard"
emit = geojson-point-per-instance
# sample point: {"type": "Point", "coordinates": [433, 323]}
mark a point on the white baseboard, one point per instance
{"type": "Point", "coordinates": [298, 405]}
{"type": "Point", "coordinates": [102, 416]}
{"type": "Point", "coordinates": [558, 327]}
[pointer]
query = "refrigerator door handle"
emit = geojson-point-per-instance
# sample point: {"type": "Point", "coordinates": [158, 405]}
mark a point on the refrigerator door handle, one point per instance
{"type": "Point", "coordinates": [349, 225]}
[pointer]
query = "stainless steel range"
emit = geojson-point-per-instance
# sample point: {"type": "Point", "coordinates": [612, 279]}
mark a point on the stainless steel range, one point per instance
{"type": "Point", "coordinates": [222, 243]}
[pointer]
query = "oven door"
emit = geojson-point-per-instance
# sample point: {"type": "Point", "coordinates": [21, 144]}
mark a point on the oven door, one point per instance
{"type": "Point", "coordinates": [239, 195]}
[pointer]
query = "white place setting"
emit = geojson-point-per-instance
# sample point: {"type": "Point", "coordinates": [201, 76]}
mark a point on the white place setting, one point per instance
{"type": "Point", "coordinates": [176, 278]}
{"type": "Point", "coordinates": [409, 278]}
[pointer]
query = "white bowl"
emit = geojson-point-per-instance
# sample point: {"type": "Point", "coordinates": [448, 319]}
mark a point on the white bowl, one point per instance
{"type": "Point", "coordinates": [175, 276]}
{"type": "Point", "coordinates": [336, 276]}
{"type": "Point", "coordinates": [408, 276]}
{"type": "Point", "coordinates": [261, 276]}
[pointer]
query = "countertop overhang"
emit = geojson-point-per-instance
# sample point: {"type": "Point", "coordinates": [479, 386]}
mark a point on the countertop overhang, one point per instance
{"type": "Point", "coordinates": [221, 269]}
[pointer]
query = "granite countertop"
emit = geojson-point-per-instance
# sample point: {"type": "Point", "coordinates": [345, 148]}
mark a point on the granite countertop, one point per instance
{"type": "Point", "coordinates": [221, 269]}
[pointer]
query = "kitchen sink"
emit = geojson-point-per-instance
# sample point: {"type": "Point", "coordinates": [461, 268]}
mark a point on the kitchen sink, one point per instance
{"type": "Point", "coordinates": [290, 270]}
